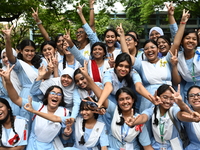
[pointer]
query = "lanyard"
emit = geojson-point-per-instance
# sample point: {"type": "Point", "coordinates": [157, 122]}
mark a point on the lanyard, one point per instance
{"type": "Point", "coordinates": [162, 126]}
{"type": "Point", "coordinates": [124, 131]}
{"type": "Point", "coordinates": [193, 74]}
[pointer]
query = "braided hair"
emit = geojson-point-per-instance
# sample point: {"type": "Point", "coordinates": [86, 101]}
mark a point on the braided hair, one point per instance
{"type": "Point", "coordinates": [160, 90]}
{"type": "Point", "coordinates": [84, 106]}
{"type": "Point", "coordinates": [12, 119]}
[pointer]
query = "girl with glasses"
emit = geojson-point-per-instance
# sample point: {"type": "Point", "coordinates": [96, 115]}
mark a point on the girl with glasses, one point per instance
{"type": "Point", "coordinates": [43, 133]}
{"type": "Point", "coordinates": [88, 132]}
{"type": "Point", "coordinates": [154, 71]}
{"type": "Point", "coordinates": [65, 81]}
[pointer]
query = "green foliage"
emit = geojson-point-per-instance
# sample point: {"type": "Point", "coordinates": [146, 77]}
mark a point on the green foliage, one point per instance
{"type": "Point", "coordinates": [101, 23]}
{"type": "Point", "coordinates": [149, 7]}
{"type": "Point", "coordinates": [55, 15]}
{"type": "Point", "coordinates": [133, 15]}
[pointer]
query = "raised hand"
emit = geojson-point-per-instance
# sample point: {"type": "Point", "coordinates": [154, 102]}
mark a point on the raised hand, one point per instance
{"type": "Point", "coordinates": [130, 121]}
{"type": "Point", "coordinates": [67, 36]}
{"type": "Point", "coordinates": [69, 122]}
{"type": "Point", "coordinates": [120, 30]}
{"type": "Point", "coordinates": [185, 16]}
{"type": "Point", "coordinates": [80, 8]}
{"type": "Point", "coordinates": [170, 8]}
{"type": "Point", "coordinates": [28, 106]}
{"type": "Point", "coordinates": [6, 74]}
{"type": "Point", "coordinates": [67, 131]}
{"type": "Point", "coordinates": [193, 115]}
{"type": "Point", "coordinates": [155, 99]}
{"type": "Point", "coordinates": [42, 71]}
{"type": "Point", "coordinates": [91, 2]}
{"type": "Point", "coordinates": [177, 96]}
{"type": "Point", "coordinates": [174, 59]}
{"type": "Point", "coordinates": [7, 31]}
{"type": "Point", "coordinates": [54, 60]}
{"type": "Point", "coordinates": [35, 15]}
{"type": "Point", "coordinates": [84, 68]}
{"type": "Point", "coordinates": [111, 60]}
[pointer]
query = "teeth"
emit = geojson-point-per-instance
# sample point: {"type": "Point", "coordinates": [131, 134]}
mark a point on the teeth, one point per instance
{"type": "Point", "coordinates": [0, 113]}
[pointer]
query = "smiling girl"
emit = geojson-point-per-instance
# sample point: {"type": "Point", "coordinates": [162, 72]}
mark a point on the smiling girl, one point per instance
{"type": "Point", "coordinates": [53, 103]}
{"type": "Point", "coordinates": [121, 135]}
{"type": "Point", "coordinates": [191, 121]}
{"type": "Point", "coordinates": [162, 119]}
{"type": "Point", "coordinates": [154, 71]}
{"type": "Point", "coordinates": [13, 129]}
{"type": "Point", "coordinates": [65, 81]}
{"type": "Point", "coordinates": [89, 133]}
{"type": "Point", "coordinates": [98, 64]}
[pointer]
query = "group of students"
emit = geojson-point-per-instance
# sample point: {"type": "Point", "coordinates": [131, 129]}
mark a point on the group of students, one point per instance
{"type": "Point", "coordinates": [90, 95]}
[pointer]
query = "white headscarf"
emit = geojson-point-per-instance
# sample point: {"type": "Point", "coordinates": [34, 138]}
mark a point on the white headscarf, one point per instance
{"type": "Point", "coordinates": [158, 29]}
{"type": "Point", "coordinates": [4, 50]}
{"type": "Point", "coordinates": [68, 90]}
{"type": "Point", "coordinates": [14, 78]}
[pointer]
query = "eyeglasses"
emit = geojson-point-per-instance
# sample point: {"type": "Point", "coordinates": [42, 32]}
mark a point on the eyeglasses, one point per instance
{"type": "Point", "coordinates": [54, 93]}
{"type": "Point", "coordinates": [193, 95]}
{"type": "Point", "coordinates": [150, 47]}
{"type": "Point", "coordinates": [129, 39]}
{"type": "Point", "coordinates": [165, 97]}
{"type": "Point", "coordinates": [79, 32]}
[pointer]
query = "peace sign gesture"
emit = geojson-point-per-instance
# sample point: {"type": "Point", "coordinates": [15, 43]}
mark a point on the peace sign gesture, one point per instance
{"type": "Point", "coordinates": [35, 15]}
{"type": "Point", "coordinates": [6, 74]}
{"type": "Point", "coordinates": [67, 36]}
{"type": "Point", "coordinates": [156, 100]}
{"type": "Point", "coordinates": [130, 121]}
{"type": "Point", "coordinates": [185, 16]}
{"type": "Point", "coordinates": [170, 8]}
{"type": "Point", "coordinates": [7, 31]}
{"type": "Point", "coordinates": [174, 59]}
{"type": "Point", "coordinates": [80, 8]}
{"type": "Point", "coordinates": [177, 96]}
{"type": "Point", "coordinates": [189, 116]}
{"type": "Point", "coordinates": [84, 69]}
{"type": "Point", "coordinates": [120, 30]}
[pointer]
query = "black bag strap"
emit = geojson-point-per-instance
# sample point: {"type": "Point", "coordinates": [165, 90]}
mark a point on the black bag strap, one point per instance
{"type": "Point", "coordinates": [172, 119]}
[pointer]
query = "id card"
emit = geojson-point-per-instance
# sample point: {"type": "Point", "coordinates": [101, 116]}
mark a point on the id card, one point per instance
{"type": "Point", "coordinates": [163, 146]}
{"type": "Point", "coordinates": [123, 147]}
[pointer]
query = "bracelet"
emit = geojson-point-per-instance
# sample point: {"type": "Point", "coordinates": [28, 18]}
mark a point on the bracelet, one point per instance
{"type": "Point", "coordinates": [40, 22]}
{"type": "Point", "coordinates": [91, 8]}
{"type": "Point", "coordinates": [182, 22]}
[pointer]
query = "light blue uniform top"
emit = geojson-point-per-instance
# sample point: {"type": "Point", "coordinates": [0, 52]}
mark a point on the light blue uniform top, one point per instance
{"type": "Point", "coordinates": [142, 137]}
{"type": "Point", "coordinates": [156, 145]}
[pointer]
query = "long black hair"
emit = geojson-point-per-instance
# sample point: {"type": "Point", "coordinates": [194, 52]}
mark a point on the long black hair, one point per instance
{"type": "Point", "coordinates": [52, 43]}
{"type": "Point", "coordinates": [36, 59]}
{"type": "Point", "coordinates": [133, 95]}
{"type": "Point", "coordinates": [45, 99]}
{"type": "Point", "coordinates": [125, 57]}
{"type": "Point", "coordinates": [186, 32]}
{"type": "Point", "coordinates": [98, 44]}
{"type": "Point", "coordinates": [160, 90]}
{"type": "Point", "coordinates": [188, 91]}
{"type": "Point", "coordinates": [84, 106]}
{"type": "Point", "coordinates": [12, 119]}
